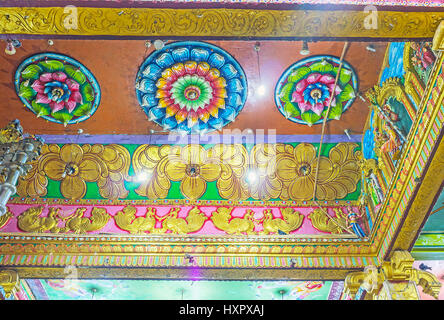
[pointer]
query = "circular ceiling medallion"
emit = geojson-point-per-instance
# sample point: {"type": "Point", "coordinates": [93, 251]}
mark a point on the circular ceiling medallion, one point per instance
{"type": "Point", "coordinates": [57, 88]}
{"type": "Point", "coordinates": [191, 87]}
{"type": "Point", "coordinates": [304, 90]}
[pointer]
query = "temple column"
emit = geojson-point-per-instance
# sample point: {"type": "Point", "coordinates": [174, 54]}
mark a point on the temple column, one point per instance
{"type": "Point", "coordinates": [394, 280]}
{"type": "Point", "coordinates": [9, 281]}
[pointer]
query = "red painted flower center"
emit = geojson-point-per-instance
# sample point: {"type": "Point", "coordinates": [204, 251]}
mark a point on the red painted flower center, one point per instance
{"type": "Point", "coordinates": [192, 93]}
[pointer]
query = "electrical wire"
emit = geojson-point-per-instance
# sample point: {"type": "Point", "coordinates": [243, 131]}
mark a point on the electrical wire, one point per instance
{"type": "Point", "coordinates": [344, 49]}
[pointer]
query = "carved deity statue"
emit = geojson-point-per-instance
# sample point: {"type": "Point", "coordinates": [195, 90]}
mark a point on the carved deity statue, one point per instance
{"type": "Point", "coordinates": [353, 222]}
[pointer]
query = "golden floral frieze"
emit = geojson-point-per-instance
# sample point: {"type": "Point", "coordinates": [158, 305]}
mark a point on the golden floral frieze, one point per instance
{"type": "Point", "coordinates": [221, 22]}
{"type": "Point", "coordinates": [282, 171]}
{"type": "Point", "coordinates": [74, 165]}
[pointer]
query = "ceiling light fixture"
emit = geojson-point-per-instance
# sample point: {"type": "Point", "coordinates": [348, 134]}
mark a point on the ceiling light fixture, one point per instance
{"type": "Point", "coordinates": [261, 89]}
{"type": "Point", "coordinates": [10, 49]}
{"type": "Point", "coordinates": [371, 48]}
{"type": "Point", "coordinates": [158, 44]}
{"type": "Point", "coordinates": [252, 177]}
{"type": "Point", "coordinates": [304, 51]}
{"type": "Point", "coordinates": [142, 176]}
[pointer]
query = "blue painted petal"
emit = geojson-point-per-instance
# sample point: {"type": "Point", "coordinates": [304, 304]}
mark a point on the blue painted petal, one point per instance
{"type": "Point", "coordinates": [54, 83]}
{"type": "Point", "coordinates": [325, 94]}
{"type": "Point", "coordinates": [66, 95]}
{"type": "Point", "coordinates": [203, 126]}
{"type": "Point", "coordinates": [156, 113]}
{"type": "Point", "coordinates": [47, 90]}
{"type": "Point", "coordinates": [234, 100]}
{"type": "Point", "coordinates": [199, 54]}
{"type": "Point", "coordinates": [152, 71]}
{"type": "Point", "coordinates": [197, 128]}
{"type": "Point", "coordinates": [181, 54]}
{"type": "Point", "coordinates": [310, 87]}
{"type": "Point", "coordinates": [183, 127]}
{"type": "Point", "coordinates": [146, 85]}
{"type": "Point", "coordinates": [64, 86]}
{"type": "Point", "coordinates": [165, 60]}
{"type": "Point", "coordinates": [216, 60]}
{"type": "Point", "coordinates": [148, 100]}
{"type": "Point", "coordinates": [228, 71]}
{"type": "Point", "coordinates": [216, 123]}
{"type": "Point", "coordinates": [169, 123]}
{"type": "Point", "coordinates": [228, 113]}
{"type": "Point", "coordinates": [234, 85]}
{"type": "Point", "coordinates": [311, 101]}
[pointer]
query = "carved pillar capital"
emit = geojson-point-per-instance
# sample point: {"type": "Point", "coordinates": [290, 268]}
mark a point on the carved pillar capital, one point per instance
{"type": "Point", "coordinates": [394, 280]}
{"type": "Point", "coordinates": [9, 280]}
{"type": "Point", "coordinates": [370, 280]}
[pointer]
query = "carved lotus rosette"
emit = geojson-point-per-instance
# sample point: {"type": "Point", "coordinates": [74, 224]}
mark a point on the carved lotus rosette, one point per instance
{"type": "Point", "coordinates": [191, 87]}
{"type": "Point", "coordinates": [57, 88]}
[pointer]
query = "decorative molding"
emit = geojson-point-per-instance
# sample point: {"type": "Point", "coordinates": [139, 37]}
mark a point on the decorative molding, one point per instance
{"type": "Point", "coordinates": [282, 171]}
{"type": "Point", "coordinates": [183, 273]}
{"type": "Point", "coordinates": [438, 39]}
{"type": "Point", "coordinates": [424, 136]}
{"type": "Point", "coordinates": [31, 221]}
{"type": "Point", "coordinates": [217, 23]}
{"type": "Point", "coordinates": [203, 223]}
{"type": "Point", "coordinates": [421, 203]}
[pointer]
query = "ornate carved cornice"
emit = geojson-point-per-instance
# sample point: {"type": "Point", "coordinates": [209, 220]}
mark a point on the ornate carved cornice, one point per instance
{"type": "Point", "coordinates": [391, 277]}
{"type": "Point", "coordinates": [216, 23]}
{"type": "Point", "coordinates": [184, 273]}
{"type": "Point", "coordinates": [395, 211]}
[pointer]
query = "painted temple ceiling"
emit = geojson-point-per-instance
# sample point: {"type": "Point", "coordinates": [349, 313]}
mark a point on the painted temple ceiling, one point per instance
{"type": "Point", "coordinates": [238, 147]}
{"type": "Point", "coordinates": [121, 111]}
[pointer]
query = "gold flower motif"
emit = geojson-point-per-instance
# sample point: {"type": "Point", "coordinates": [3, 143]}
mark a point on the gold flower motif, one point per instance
{"type": "Point", "coordinates": [194, 169]}
{"type": "Point", "coordinates": [265, 185]}
{"type": "Point", "coordinates": [297, 169]}
{"type": "Point", "coordinates": [73, 168]}
{"type": "Point", "coordinates": [74, 165]}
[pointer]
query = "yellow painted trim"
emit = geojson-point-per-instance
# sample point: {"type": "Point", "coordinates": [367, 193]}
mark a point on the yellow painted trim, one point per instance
{"type": "Point", "coordinates": [220, 22]}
